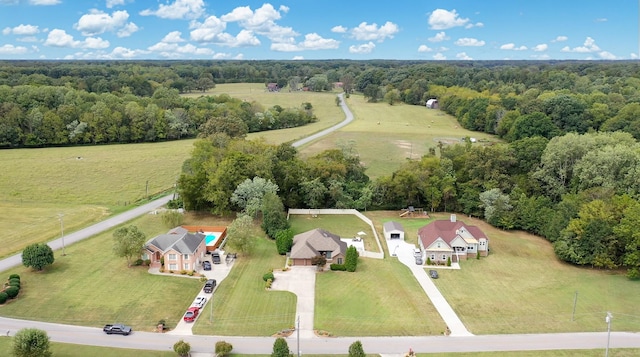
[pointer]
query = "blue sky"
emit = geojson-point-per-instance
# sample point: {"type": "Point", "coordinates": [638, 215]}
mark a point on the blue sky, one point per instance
{"type": "Point", "coordinates": [320, 29]}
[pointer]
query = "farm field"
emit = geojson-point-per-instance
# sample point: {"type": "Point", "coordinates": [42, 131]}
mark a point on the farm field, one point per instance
{"type": "Point", "coordinates": [522, 288]}
{"type": "Point", "coordinates": [386, 135]}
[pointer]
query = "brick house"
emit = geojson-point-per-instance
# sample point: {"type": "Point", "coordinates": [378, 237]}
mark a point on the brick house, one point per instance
{"type": "Point", "coordinates": [317, 242]}
{"type": "Point", "coordinates": [178, 249]}
{"type": "Point", "coordinates": [444, 239]}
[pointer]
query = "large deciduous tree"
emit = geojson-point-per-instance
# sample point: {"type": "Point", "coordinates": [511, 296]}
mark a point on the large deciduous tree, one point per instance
{"type": "Point", "coordinates": [249, 194]}
{"type": "Point", "coordinates": [241, 234]}
{"type": "Point", "coordinates": [128, 242]}
{"type": "Point", "coordinates": [37, 256]}
{"type": "Point", "coordinates": [274, 217]}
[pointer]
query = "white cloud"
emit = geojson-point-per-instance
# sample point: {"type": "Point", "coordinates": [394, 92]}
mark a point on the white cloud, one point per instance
{"type": "Point", "coordinates": [173, 50]}
{"type": "Point", "coordinates": [512, 47]}
{"type": "Point", "coordinates": [209, 30]}
{"type": "Point", "coordinates": [439, 57]}
{"type": "Point", "coordinates": [179, 9]}
{"type": "Point", "coordinates": [366, 32]}
{"type": "Point", "coordinates": [560, 39]}
{"type": "Point", "coordinates": [424, 48]}
{"type": "Point", "coordinates": [607, 55]}
{"type": "Point", "coordinates": [21, 30]}
{"type": "Point", "coordinates": [477, 24]}
{"type": "Point", "coordinates": [313, 41]}
{"type": "Point", "coordinates": [112, 3]}
{"type": "Point", "coordinates": [261, 21]}
{"type": "Point", "coordinates": [339, 29]}
{"type": "Point", "coordinates": [441, 19]}
{"type": "Point", "coordinates": [27, 39]}
{"type": "Point", "coordinates": [44, 2]}
{"type": "Point", "coordinates": [173, 37]}
{"type": "Point", "coordinates": [239, 56]}
{"type": "Point", "coordinates": [469, 42]}
{"type": "Point", "coordinates": [541, 47]}
{"type": "Point", "coordinates": [13, 50]}
{"type": "Point", "coordinates": [244, 38]}
{"type": "Point", "coordinates": [633, 56]}
{"type": "Point", "coordinates": [588, 47]}
{"type": "Point", "coordinates": [122, 52]}
{"type": "Point", "coordinates": [97, 22]}
{"type": "Point", "coordinates": [439, 37]}
{"type": "Point", "coordinates": [60, 38]}
{"type": "Point", "coordinates": [463, 56]}
{"type": "Point", "coordinates": [601, 19]}
{"type": "Point", "coordinates": [221, 55]}
{"type": "Point", "coordinates": [298, 58]}
{"type": "Point", "coordinates": [363, 48]}
{"type": "Point", "coordinates": [543, 56]}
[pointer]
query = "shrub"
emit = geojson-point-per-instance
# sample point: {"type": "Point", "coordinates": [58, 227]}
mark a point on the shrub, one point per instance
{"type": "Point", "coordinates": [478, 255]}
{"type": "Point", "coordinates": [138, 262]}
{"type": "Point", "coordinates": [428, 260]}
{"type": "Point", "coordinates": [14, 276]}
{"type": "Point", "coordinates": [183, 272]}
{"type": "Point", "coordinates": [268, 284]}
{"type": "Point", "coordinates": [268, 276]}
{"type": "Point", "coordinates": [356, 350]}
{"type": "Point", "coordinates": [448, 261]}
{"type": "Point", "coordinates": [338, 267]}
{"type": "Point", "coordinates": [147, 262]}
{"type": "Point", "coordinates": [182, 348]}
{"type": "Point", "coordinates": [351, 259]}
{"type": "Point", "coordinates": [3, 297]}
{"type": "Point", "coordinates": [223, 348]}
{"type": "Point", "coordinates": [12, 291]}
{"type": "Point", "coordinates": [14, 280]}
{"type": "Point", "coordinates": [14, 283]}
{"type": "Point", "coordinates": [31, 342]}
{"type": "Point", "coordinates": [284, 241]}
{"type": "Point", "coordinates": [280, 348]}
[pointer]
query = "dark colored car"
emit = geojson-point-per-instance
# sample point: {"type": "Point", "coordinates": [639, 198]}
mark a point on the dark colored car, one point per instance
{"type": "Point", "coordinates": [206, 265]}
{"type": "Point", "coordinates": [433, 274]}
{"type": "Point", "coordinates": [215, 256]}
{"type": "Point", "coordinates": [191, 314]}
{"type": "Point", "coordinates": [209, 286]}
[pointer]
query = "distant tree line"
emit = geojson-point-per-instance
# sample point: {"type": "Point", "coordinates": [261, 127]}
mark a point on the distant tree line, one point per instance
{"type": "Point", "coordinates": [35, 116]}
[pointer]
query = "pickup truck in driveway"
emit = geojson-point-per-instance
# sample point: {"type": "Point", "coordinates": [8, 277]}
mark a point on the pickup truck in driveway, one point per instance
{"type": "Point", "coordinates": [116, 329]}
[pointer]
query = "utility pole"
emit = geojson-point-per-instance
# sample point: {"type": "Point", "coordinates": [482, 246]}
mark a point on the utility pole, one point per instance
{"type": "Point", "coordinates": [298, 331]}
{"type": "Point", "coordinates": [608, 321]}
{"type": "Point", "coordinates": [575, 302]}
{"type": "Point", "coordinates": [60, 217]}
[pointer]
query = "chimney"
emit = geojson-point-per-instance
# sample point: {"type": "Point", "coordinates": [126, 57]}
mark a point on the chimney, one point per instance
{"type": "Point", "coordinates": [453, 218]}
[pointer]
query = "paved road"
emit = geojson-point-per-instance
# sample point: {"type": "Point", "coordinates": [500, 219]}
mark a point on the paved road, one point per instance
{"type": "Point", "coordinates": [328, 346]}
{"type": "Point", "coordinates": [347, 120]}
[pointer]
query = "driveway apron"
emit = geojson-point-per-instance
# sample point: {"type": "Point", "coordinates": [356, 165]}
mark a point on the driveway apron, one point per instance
{"type": "Point", "coordinates": [300, 280]}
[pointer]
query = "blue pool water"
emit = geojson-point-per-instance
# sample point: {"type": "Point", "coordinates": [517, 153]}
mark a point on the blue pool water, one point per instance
{"type": "Point", "coordinates": [210, 238]}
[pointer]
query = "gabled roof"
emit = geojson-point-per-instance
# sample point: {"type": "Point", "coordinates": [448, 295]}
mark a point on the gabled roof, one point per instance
{"type": "Point", "coordinates": [178, 239]}
{"type": "Point", "coordinates": [392, 226]}
{"type": "Point", "coordinates": [309, 244]}
{"type": "Point", "coordinates": [448, 230]}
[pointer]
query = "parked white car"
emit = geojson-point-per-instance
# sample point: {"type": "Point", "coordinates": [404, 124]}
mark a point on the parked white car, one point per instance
{"type": "Point", "coordinates": [199, 302]}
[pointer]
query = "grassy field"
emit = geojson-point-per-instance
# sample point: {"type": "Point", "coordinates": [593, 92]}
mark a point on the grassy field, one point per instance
{"type": "Point", "coordinates": [90, 286]}
{"type": "Point", "coordinates": [385, 136]}
{"type": "Point", "coordinates": [242, 306]}
{"type": "Point", "coordinates": [343, 225]}
{"type": "Point", "coordinates": [522, 288]}
{"type": "Point", "coordinates": [324, 107]}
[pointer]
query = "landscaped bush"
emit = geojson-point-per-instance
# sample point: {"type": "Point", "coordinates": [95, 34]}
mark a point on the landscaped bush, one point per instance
{"type": "Point", "coordinates": [338, 267]}
{"type": "Point", "coordinates": [15, 283]}
{"type": "Point", "coordinates": [351, 259]}
{"type": "Point", "coordinates": [428, 260]}
{"type": "Point", "coordinates": [14, 276]}
{"type": "Point", "coordinates": [448, 261]}
{"type": "Point", "coordinates": [268, 276]}
{"type": "Point", "coordinates": [3, 297]}
{"type": "Point", "coordinates": [268, 283]}
{"type": "Point", "coordinates": [223, 348]}
{"type": "Point", "coordinates": [138, 262]}
{"type": "Point", "coordinates": [12, 291]}
{"type": "Point", "coordinates": [147, 262]}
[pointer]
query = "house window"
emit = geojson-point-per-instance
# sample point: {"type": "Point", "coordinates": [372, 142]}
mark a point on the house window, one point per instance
{"type": "Point", "coordinates": [173, 256]}
{"type": "Point", "coordinates": [438, 245]}
{"type": "Point", "coordinates": [173, 266]}
{"type": "Point", "coordinates": [433, 256]}
{"type": "Point", "coordinates": [444, 257]}
{"type": "Point", "coordinates": [328, 255]}
{"type": "Point", "coordinates": [339, 260]}
{"type": "Point", "coordinates": [185, 256]}
{"type": "Point", "coordinates": [145, 256]}
{"type": "Point", "coordinates": [186, 266]}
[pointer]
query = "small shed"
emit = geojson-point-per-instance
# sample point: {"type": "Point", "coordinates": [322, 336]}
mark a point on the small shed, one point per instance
{"type": "Point", "coordinates": [432, 104]}
{"type": "Point", "coordinates": [393, 230]}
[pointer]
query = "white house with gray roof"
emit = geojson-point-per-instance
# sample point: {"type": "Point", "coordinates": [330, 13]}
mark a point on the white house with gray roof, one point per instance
{"type": "Point", "coordinates": [178, 249]}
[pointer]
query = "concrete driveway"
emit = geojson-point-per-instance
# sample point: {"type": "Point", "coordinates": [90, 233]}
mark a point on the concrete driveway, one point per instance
{"type": "Point", "coordinates": [404, 253]}
{"type": "Point", "coordinates": [300, 280]}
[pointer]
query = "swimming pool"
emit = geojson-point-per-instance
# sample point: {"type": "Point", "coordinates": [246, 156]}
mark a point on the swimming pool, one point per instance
{"type": "Point", "coordinates": [210, 238]}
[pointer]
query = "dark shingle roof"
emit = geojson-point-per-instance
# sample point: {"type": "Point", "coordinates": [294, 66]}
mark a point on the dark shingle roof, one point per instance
{"type": "Point", "coordinates": [308, 244]}
{"type": "Point", "coordinates": [178, 239]}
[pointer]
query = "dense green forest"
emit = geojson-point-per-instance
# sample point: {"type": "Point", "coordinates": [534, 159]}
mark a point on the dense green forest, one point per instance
{"type": "Point", "coordinates": [569, 169]}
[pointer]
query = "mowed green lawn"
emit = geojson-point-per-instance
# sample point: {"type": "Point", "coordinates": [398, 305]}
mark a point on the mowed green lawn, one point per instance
{"type": "Point", "coordinates": [241, 304]}
{"type": "Point", "coordinates": [522, 288]}
{"type": "Point", "coordinates": [346, 226]}
{"type": "Point", "coordinates": [386, 135]}
{"type": "Point", "coordinates": [90, 286]}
